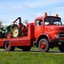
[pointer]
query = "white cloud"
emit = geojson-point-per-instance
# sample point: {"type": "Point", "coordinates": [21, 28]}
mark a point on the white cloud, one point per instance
{"type": "Point", "coordinates": [42, 3]}
{"type": "Point", "coordinates": [32, 7]}
{"type": "Point", "coordinates": [37, 14]}
{"type": "Point", "coordinates": [30, 4]}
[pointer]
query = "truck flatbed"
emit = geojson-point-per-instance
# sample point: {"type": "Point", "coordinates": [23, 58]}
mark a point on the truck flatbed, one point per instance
{"type": "Point", "coordinates": [22, 42]}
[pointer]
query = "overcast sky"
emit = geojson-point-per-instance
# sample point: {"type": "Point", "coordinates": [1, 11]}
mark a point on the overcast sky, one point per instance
{"type": "Point", "coordinates": [29, 9]}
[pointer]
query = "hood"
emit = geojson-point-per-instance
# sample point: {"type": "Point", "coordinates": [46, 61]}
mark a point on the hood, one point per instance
{"type": "Point", "coordinates": [55, 27]}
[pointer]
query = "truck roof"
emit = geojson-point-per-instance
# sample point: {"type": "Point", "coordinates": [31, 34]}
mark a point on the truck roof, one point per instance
{"type": "Point", "coordinates": [41, 17]}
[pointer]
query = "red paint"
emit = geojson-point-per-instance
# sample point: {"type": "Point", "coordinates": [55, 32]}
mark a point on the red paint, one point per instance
{"type": "Point", "coordinates": [34, 32]}
{"type": "Point", "coordinates": [42, 45]}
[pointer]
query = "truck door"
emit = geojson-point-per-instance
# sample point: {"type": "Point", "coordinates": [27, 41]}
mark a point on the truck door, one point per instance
{"type": "Point", "coordinates": [39, 28]}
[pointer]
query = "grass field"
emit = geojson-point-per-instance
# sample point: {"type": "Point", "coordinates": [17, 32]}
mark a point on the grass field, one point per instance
{"type": "Point", "coordinates": [33, 57]}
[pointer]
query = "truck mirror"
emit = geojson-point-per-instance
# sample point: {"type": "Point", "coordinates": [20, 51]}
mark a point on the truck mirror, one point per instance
{"type": "Point", "coordinates": [25, 22]}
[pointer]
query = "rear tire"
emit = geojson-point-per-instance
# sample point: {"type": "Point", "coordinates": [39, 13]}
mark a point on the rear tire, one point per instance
{"type": "Point", "coordinates": [16, 32]}
{"type": "Point", "coordinates": [43, 45]}
{"type": "Point", "coordinates": [8, 47]}
{"type": "Point", "coordinates": [26, 48]}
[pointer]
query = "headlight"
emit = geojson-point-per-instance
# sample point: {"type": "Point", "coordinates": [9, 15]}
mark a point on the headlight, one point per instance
{"type": "Point", "coordinates": [57, 36]}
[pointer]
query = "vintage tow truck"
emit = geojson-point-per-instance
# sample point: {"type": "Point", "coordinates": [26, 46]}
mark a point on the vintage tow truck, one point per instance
{"type": "Point", "coordinates": [45, 32]}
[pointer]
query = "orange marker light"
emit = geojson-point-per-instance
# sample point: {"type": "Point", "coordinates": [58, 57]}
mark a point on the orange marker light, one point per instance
{"type": "Point", "coordinates": [45, 14]}
{"type": "Point", "coordinates": [56, 15]}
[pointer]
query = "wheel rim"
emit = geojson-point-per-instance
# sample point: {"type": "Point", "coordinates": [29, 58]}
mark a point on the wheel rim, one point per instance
{"type": "Point", "coordinates": [7, 45]}
{"type": "Point", "coordinates": [43, 45]}
{"type": "Point", "coordinates": [15, 32]}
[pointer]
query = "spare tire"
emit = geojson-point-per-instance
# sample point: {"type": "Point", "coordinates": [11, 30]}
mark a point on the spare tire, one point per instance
{"type": "Point", "coordinates": [16, 32]}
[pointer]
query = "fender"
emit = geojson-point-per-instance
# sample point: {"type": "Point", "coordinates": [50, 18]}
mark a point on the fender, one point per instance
{"type": "Point", "coordinates": [44, 35]}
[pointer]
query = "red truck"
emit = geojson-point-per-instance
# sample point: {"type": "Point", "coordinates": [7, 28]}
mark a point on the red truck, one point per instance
{"type": "Point", "coordinates": [45, 32]}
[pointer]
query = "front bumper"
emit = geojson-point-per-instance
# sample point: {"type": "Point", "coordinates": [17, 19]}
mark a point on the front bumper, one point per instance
{"type": "Point", "coordinates": [57, 40]}
{"type": "Point", "coordinates": [61, 39]}
{"type": "Point", "coordinates": [54, 40]}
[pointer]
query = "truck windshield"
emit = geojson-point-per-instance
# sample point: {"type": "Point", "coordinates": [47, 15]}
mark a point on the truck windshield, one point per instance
{"type": "Point", "coordinates": [53, 21]}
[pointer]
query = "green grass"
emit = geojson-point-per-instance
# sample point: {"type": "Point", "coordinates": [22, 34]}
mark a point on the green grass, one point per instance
{"type": "Point", "coordinates": [53, 49]}
{"type": "Point", "coordinates": [30, 58]}
{"type": "Point", "coordinates": [20, 57]}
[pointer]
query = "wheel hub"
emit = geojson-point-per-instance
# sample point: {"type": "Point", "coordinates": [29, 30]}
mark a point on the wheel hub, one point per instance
{"type": "Point", "coordinates": [7, 45]}
{"type": "Point", "coordinates": [15, 32]}
{"type": "Point", "coordinates": [43, 45]}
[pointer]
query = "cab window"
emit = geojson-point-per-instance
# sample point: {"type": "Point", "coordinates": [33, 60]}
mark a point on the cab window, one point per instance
{"type": "Point", "coordinates": [39, 22]}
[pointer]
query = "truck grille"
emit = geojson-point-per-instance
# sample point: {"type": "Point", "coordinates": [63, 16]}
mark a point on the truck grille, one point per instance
{"type": "Point", "coordinates": [61, 34]}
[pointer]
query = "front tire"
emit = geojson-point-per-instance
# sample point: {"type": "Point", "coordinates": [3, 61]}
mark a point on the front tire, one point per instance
{"type": "Point", "coordinates": [61, 47]}
{"type": "Point", "coordinates": [8, 47]}
{"type": "Point", "coordinates": [43, 45]}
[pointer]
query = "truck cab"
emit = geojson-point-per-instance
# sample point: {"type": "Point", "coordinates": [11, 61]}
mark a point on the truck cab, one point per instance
{"type": "Point", "coordinates": [50, 29]}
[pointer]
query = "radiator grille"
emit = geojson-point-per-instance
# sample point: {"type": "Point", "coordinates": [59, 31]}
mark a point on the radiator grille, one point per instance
{"type": "Point", "coordinates": [61, 34]}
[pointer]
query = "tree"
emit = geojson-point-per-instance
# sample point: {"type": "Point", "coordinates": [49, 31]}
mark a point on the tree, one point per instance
{"type": "Point", "coordinates": [1, 26]}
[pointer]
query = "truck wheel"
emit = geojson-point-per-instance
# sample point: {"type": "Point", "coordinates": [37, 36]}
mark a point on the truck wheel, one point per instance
{"type": "Point", "coordinates": [43, 45]}
{"type": "Point", "coordinates": [61, 47]}
{"type": "Point", "coordinates": [16, 32]}
{"type": "Point", "coordinates": [26, 48]}
{"type": "Point", "coordinates": [8, 47]}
